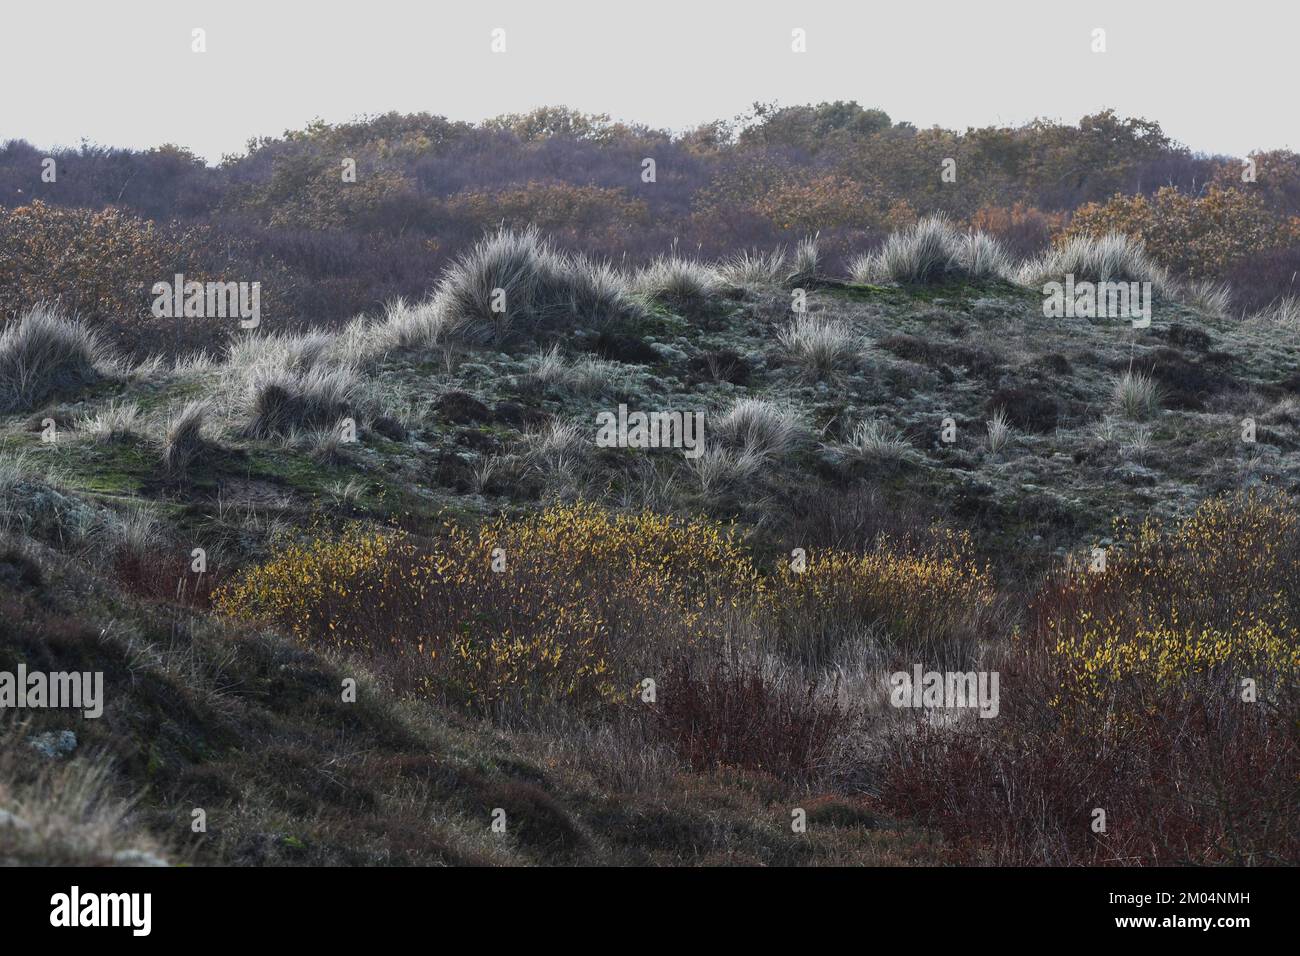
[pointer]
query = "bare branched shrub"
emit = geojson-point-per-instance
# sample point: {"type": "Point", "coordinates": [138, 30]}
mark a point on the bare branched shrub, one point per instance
{"type": "Point", "coordinates": [587, 600]}
{"type": "Point", "coordinates": [1131, 698]}
{"type": "Point", "coordinates": [857, 518]}
{"type": "Point", "coordinates": [739, 715]}
{"type": "Point", "coordinates": [888, 604]}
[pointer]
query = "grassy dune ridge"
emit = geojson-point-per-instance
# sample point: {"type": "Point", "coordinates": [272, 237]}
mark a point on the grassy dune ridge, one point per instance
{"type": "Point", "coordinates": [645, 657]}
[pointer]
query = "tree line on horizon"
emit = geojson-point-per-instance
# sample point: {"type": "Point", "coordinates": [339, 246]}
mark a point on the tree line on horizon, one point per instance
{"type": "Point", "coordinates": [326, 248]}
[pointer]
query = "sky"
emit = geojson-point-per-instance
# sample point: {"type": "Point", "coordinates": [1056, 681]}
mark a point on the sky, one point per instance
{"type": "Point", "coordinates": [1216, 76]}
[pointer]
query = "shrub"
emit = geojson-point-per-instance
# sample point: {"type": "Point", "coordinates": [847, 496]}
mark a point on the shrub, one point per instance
{"type": "Point", "coordinates": [547, 122]}
{"type": "Point", "coordinates": [1030, 409]}
{"type": "Point", "coordinates": [1130, 698]}
{"type": "Point", "coordinates": [1201, 236]}
{"type": "Point", "coordinates": [586, 601]}
{"type": "Point", "coordinates": [1178, 382]}
{"type": "Point", "coordinates": [165, 574]}
{"type": "Point", "coordinates": [1266, 278]}
{"type": "Point", "coordinates": [722, 365]}
{"type": "Point", "coordinates": [43, 354]}
{"type": "Point", "coordinates": [1217, 593]}
{"type": "Point", "coordinates": [894, 600]}
{"type": "Point", "coordinates": [301, 191]}
{"type": "Point", "coordinates": [856, 518]}
{"type": "Point", "coordinates": [550, 206]}
{"type": "Point", "coordinates": [1185, 783]}
{"type": "Point", "coordinates": [735, 715]}
{"type": "Point", "coordinates": [91, 263]}
{"type": "Point", "coordinates": [1023, 229]}
{"type": "Point", "coordinates": [826, 202]}
{"type": "Point", "coordinates": [443, 614]}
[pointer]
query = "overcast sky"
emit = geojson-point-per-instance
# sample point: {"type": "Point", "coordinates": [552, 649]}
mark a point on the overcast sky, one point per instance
{"type": "Point", "coordinates": [1219, 77]}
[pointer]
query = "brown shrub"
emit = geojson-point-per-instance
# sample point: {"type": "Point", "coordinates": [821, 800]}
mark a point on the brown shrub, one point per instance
{"type": "Point", "coordinates": [734, 715]}
{"type": "Point", "coordinates": [164, 575]}
{"type": "Point", "coordinates": [1126, 694]}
